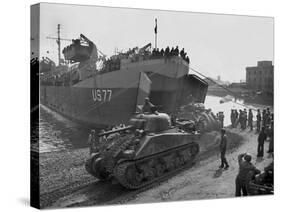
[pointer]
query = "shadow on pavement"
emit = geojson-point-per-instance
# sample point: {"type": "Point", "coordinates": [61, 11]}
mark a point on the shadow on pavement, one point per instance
{"type": "Point", "coordinates": [218, 173]}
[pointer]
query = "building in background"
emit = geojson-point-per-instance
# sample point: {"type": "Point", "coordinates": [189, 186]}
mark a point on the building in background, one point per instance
{"type": "Point", "coordinates": [260, 77]}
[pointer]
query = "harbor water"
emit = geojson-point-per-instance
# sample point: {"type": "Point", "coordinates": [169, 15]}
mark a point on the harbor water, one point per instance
{"type": "Point", "coordinates": [57, 133]}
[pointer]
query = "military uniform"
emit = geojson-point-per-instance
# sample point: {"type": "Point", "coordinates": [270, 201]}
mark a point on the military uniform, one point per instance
{"type": "Point", "coordinates": [147, 107]}
{"type": "Point", "coordinates": [246, 171]}
{"type": "Point", "coordinates": [262, 137]}
{"type": "Point", "coordinates": [258, 121]}
{"type": "Point", "coordinates": [223, 146]}
{"type": "Point", "coordinates": [250, 120]}
{"type": "Point", "coordinates": [232, 118]}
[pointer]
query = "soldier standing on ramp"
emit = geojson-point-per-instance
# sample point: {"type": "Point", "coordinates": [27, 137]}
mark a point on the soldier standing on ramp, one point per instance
{"type": "Point", "coordinates": [223, 145]}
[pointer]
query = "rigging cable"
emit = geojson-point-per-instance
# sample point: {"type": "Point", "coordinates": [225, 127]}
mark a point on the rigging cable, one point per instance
{"type": "Point", "coordinates": [233, 93]}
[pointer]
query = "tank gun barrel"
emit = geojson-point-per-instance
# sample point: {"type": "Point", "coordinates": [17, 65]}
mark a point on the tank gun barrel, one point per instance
{"type": "Point", "coordinates": [116, 130]}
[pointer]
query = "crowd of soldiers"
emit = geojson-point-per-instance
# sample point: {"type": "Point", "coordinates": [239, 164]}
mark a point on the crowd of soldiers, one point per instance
{"type": "Point", "coordinates": [247, 171]}
{"type": "Point", "coordinates": [156, 53]}
{"type": "Point", "coordinates": [245, 119]}
{"type": "Point", "coordinates": [264, 125]}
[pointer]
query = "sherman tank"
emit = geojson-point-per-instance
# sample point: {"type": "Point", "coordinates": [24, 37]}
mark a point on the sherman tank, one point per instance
{"type": "Point", "coordinates": [204, 119]}
{"type": "Point", "coordinates": [147, 150]}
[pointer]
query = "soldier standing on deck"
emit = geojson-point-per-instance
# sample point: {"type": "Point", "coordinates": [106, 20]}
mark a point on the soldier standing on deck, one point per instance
{"type": "Point", "coordinates": [258, 120]}
{"type": "Point", "coordinates": [167, 52]}
{"type": "Point", "coordinates": [223, 145]}
{"type": "Point", "coordinates": [250, 119]}
{"type": "Point", "coordinates": [246, 171]}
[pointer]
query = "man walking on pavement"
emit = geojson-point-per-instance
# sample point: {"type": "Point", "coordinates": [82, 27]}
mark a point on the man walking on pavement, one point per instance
{"type": "Point", "coordinates": [246, 171]}
{"type": "Point", "coordinates": [223, 145]}
{"type": "Point", "coordinates": [261, 139]}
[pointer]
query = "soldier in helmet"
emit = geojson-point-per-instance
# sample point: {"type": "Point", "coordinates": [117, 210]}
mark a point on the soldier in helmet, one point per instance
{"type": "Point", "coordinates": [250, 119]}
{"type": "Point", "coordinates": [258, 120]}
{"type": "Point", "coordinates": [91, 141]}
{"type": "Point", "coordinates": [246, 172]}
{"type": "Point", "coordinates": [223, 145]}
{"type": "Point", "coordinates": [182, 54]}
{"type": "Point", "coordinates": [147, 106]}
{"type": "Point", "coordinates": [176, 51]}
{"type": "Point", "coordinates": [167, 52]}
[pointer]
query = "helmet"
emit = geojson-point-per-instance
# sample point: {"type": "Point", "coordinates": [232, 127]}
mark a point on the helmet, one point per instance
{"type": "Point", "coordinates": [248, 158]}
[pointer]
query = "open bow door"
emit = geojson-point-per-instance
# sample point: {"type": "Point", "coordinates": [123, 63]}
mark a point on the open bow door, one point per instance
{"type": "Point", "coordinates": [143, 90]}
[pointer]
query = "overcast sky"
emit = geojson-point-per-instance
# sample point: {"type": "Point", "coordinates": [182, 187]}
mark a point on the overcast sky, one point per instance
{"type": "Point", "coordinates": [216, 44]}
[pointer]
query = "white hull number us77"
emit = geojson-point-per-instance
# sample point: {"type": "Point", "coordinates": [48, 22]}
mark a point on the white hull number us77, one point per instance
{"type": "Point", "coordinates": [102, 95]}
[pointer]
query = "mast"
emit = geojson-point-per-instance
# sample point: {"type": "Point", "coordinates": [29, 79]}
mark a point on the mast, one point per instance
{"type": "Point", "coordinates": [59, 46]}
{"type": "Point", "coordinates": [155, 31]}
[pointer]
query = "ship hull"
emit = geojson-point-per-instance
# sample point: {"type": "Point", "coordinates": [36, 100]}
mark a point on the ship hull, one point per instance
{"type": "Point", "coordinates": [99, 102]}
{"type": "Point", "coordinates": [166, 81]}
{"type": "Point", "coordinates": [78, 104]}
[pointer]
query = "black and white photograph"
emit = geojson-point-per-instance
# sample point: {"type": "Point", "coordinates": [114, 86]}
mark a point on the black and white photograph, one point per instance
{"type": "Point", "coordinates": [133, 106]}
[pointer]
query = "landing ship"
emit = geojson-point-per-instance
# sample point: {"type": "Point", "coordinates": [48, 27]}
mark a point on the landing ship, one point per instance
{"type": "Point", "coordinates": [109, 94]}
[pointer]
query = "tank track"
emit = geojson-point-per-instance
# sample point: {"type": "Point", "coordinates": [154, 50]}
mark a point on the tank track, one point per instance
{"type": "Point", "coordinates": [188, 151]}
{"type": "Point", "coordinates": [110, 153]}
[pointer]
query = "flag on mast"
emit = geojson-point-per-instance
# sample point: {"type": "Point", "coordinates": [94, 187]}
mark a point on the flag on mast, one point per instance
{"type": "Point", "coordinates": [155, 28]}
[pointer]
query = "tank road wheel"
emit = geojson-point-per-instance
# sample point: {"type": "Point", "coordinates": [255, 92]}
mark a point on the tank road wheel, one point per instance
{"type": "Point", "coordinates": [129, 175]}
{"type": "Point", "coordinates": [194, 150]}
{"type": "Point", "coordinates": [148, 170]}
{"type": "Point", "coordinates": [177, 161]}
{"type": "Point", "coordinates": [160, 169]}
{"type": "Point", "coordinates": [186, 155]}
{"type": "Point", "coordinates": [133, 175]}
{"type": "Point", "coordinates": [169, 162]}
{"type": "Point", "coordinates": [139, 177]}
